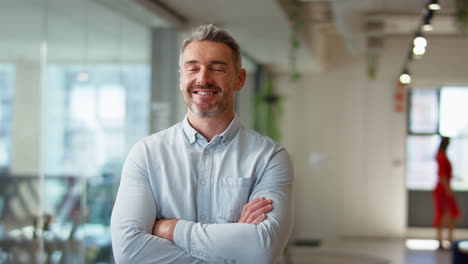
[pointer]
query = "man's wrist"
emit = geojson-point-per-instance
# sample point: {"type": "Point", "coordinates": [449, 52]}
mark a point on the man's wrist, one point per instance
{"type": "Point", "coordinates": [164, 228]}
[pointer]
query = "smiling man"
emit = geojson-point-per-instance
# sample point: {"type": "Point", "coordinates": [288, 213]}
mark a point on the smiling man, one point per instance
{"type": "Point", "coordinates": [208, 189]}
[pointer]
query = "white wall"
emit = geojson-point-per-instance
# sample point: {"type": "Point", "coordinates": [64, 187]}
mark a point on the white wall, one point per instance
{"type": "Point", "coordinates": [347, 124]}
{"type": "Point", "coordinates": [26, 118]}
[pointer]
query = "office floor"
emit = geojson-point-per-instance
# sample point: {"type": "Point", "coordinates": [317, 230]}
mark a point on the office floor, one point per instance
{"type": "Point", "coordinates": [330, 251]}
{"type": "Point", "coordinates": [338, 251]}
{"type": "Point", "coordinates": [365, 251]}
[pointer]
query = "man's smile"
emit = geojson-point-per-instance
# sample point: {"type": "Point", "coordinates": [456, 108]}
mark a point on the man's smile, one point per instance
{"type": "Point", "coordinates": [205, 92]}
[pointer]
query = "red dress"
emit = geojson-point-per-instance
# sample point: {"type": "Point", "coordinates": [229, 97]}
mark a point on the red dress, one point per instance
{"type": "Point", "coordinates": [443, 203]}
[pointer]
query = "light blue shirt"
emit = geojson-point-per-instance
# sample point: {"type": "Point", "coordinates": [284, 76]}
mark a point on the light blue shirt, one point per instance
{"type": "Point", "coordinates": [176, 173]}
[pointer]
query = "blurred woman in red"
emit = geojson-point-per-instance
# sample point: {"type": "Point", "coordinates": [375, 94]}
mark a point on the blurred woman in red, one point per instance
{"type": "Point", "coordinates": [446, 211]}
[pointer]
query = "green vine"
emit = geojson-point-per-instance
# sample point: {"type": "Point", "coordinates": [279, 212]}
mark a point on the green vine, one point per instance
{"type": "Point", "coordinates": [268, 111]}
{"type": "Point", "coordinates": [461, 16]}
{"type": "Point", "coordinates": [372, 63]}
{"type": "Point", "coordinates": [297, 24]}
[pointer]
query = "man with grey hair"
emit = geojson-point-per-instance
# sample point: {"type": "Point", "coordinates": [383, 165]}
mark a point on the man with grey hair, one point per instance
{"type": "Point", "coordinates": [208, 189]}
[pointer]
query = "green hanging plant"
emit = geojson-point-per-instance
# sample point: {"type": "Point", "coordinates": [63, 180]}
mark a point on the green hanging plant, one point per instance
{"type": "Point", "coordinates": [461, 16]}
{"type": "Point", "coordinates": [297, 24]}
{"type": "Point", "coordinates": [372, 62]}
{"type": "Point", "coordinates": [268, 111]}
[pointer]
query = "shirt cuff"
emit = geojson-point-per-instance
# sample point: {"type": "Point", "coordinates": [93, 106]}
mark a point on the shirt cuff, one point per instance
{"type": "Point", "coordinates": [181, 234]}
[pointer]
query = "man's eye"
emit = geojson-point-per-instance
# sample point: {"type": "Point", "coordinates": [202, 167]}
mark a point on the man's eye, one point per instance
{"type": "Point", "coordinates": [218, 70]}
{"type": "Point", "coordinates": [192, 69]}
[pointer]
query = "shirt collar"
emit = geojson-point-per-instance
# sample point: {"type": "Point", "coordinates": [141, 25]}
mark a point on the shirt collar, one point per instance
{"type": "Point", "coordinates": [228, 134]}
{"type": "Point", "coordinates": [231, 131]}
{"type": "Point", "coordinates": [189, 131]}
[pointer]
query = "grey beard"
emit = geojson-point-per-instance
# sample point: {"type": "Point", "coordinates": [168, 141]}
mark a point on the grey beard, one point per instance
{"type": "Point", "coordinates": [210, 113]}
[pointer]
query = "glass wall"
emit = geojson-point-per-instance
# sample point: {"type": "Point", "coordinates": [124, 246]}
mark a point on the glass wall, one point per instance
{"type": "Point", "coordinates": [434, 113]}
{"type": "Point", "coordinates": [74, 97]}
{"type": "Point", "coordinates": [7, 74]}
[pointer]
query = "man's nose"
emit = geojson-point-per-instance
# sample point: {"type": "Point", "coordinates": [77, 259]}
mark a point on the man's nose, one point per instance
{"type": "Point", "coordinates": [204, 77]}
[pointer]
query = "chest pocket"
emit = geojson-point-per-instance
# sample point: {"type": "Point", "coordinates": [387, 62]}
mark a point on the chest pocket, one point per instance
{"type": "Point", "coordinates": [233, 194]}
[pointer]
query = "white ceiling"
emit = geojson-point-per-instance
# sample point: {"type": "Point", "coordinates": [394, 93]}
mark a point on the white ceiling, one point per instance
{"type": "Point", "coordinates": [118, 29]}
{"type": "Point", "coordinates": [263, 30]}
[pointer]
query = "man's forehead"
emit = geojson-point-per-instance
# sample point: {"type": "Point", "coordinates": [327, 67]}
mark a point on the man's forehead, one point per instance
{"type": "Point", "coordinates": [207, 49]}
{"type": "Point", "coordinates": [194, 61]}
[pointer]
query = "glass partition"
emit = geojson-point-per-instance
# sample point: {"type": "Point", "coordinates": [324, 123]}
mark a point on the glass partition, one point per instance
{"type": "Point", "coordinates": [74, 97]}
{"type": "Point", "coordinates": [7, 73]}
{"type": "Point", "coordinates": [434, 113]}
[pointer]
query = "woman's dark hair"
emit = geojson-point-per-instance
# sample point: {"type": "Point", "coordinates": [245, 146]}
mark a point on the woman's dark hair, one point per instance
{"type": "Point", "coordinates": [444, 142]}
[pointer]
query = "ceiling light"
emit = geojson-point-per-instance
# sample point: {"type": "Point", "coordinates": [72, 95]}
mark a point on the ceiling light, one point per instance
{"type": "Point", "coordinates": [420, 42]}
{"type": "Point", "coordinates": [434, 5]}
{"type": "Point", "coordinates": [405, 78]}
{"type": "Point", "coordinates": [427, 27]}
{"type": "Point", "coordinates": [427, 21]}
{"type": "Point", "coordinates": [418, 51]}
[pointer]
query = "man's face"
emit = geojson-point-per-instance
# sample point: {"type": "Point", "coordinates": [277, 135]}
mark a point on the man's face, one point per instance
{"type": "Point", "coordinates": [209, 78]}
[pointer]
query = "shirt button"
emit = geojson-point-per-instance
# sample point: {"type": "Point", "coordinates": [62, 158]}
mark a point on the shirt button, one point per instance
{"type": "Point", "coordinates": [203, 182]}
{"type": "Point", "coordinates": [203, 217]}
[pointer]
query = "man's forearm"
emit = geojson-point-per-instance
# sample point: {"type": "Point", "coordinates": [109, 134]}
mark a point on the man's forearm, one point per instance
{"type": "Point", "coordinates": [242, 243]}
{"type": "Point", "coordinates": [133, 245]}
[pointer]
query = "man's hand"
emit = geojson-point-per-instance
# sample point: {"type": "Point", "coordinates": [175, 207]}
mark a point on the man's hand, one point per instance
{"type": "Point", "coordinates": [254, 212]}
{"type": "Point", "coordinates": [164, 228]}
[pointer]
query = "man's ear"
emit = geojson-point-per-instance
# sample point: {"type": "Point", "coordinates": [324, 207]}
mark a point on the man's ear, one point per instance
{"type": "Point", "coordinates": [180, 79]}
{"type": "Point", "coordinates": [241, 79]}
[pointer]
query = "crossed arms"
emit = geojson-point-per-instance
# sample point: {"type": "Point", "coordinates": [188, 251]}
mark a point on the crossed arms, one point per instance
{"type": "Point", "coordinates": [259, 236]}
{"type": "Point", "coordinates": [254, 212]}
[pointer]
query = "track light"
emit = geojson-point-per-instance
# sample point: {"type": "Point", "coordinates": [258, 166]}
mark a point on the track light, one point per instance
{"type": "Point", "coordinates": [427, 27]}
{"type": "Point", "coordinates": [433, 5]}
{"type": "Point", "coordinates": [427, 21]}
{"type": "Point", "coordinates": [420, 41]}
{"type": "Point", "coordinates": [405, 78]}
{"type": "Point", "coordinates": [418, 51]}
{"type": "Point", "coordinates": [419, 45]}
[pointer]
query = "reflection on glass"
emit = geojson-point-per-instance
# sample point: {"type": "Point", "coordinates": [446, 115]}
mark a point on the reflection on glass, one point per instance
{"type": "Point", "coordinates": [421, 164]}
{"type": "Point", "coordinates": [6, 99]}
{"type": "Point", "coordinates": [96, 106]}
{"type": "Point", "coordinates": [458, 155]}
{"type": "Point", "coordinates": [95, 122]}
{"type": "Point", "coordinates": [424, 111]}
{"type": "Point", "coordinates": [453, 111]}
{"type": "Point", "coordinates": [422, 167]}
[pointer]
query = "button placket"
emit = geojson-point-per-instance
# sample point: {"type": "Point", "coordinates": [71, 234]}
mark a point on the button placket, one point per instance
{"type": "Point", "coordinates": [200, 191]}
{"type": "Point", "coordinates": [204, 188]}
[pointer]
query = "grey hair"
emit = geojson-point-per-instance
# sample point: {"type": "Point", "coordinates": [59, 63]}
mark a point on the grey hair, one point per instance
{"type": "Point", "coordinates": [210, 32]}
